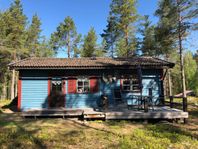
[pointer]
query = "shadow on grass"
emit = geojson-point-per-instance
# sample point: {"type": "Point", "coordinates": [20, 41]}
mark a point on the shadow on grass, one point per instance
{"type": "Point", "coordinates": [12, 105]}
{"type": "Point", "coordinates": [14, 134]}
{"type": "Point", "coordinates": [98, 129]}
{"type": "Point", "coordinates": [194, 113]}
{"type": "Point", "coordinates": [19, 137]}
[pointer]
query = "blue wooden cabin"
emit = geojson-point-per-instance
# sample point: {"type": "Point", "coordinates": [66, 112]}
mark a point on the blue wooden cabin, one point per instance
{"type": "Point", "coordinates": [77, 83]}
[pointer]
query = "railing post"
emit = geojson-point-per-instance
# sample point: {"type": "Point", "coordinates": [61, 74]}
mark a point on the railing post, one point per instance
{"type": "Point", "coordinates": [146, 100]}
{"type": "Point", "coordinates": [162, 100]}
{"type": "Point", "coordinates": [185, 108]}
{"type": "Point", "coordinates": [185, 104]}
{"type": "Point", "coordinates": [171, 101]}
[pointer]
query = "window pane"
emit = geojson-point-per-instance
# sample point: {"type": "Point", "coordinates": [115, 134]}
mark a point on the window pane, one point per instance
{"type": "Point", "coordinates": [135, 88]}
{"type": "Point", "coordinates": [80, 83]}
{"type": "Point", "coordinates": [126, 88]}
{"type": "Point", "coordinates": [86, 83]}
{"type": "Point", "coordinates": [83, 85]}
{"type": "Point", "coordinates": [80, 90]}
{"type": "Point", "coordinates": [126, 81]}
{"type": "Point", "coordinates": [56, 86]}
{"type": "Point", "coordinates": [86, 89]}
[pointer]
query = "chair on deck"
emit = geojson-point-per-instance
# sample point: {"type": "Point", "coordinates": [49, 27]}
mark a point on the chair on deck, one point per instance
{"type": "Point", "coordinates": [150, 101]}
{"type": "Point", "coordinates": [117, 95]}
{"type": "Point", "coordinates": [133, 99]}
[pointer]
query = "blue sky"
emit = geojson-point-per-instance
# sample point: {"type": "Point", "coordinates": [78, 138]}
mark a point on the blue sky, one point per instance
{"type": "Point", "coordinates": [85, 13]}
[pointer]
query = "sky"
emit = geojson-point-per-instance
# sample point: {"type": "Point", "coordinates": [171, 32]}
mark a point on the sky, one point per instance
{"type": "Point", "coordinates": [85, 13]}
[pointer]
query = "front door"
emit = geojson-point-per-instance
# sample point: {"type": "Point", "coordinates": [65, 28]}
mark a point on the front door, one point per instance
{"type": "Point", "coordinates": [57, 97]}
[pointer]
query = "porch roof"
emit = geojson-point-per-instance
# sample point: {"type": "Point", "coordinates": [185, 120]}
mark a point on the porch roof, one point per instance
{"type": "Point", "coordinates": [90, 63]}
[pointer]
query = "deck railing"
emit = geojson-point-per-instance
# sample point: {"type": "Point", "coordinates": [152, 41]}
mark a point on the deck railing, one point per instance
{"type": "Point", "coordinates": [184, 104]}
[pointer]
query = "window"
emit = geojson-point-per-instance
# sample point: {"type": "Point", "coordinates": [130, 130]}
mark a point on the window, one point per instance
{"type": "Point", "coordinates": [56, 85]}
{"type": "Point", "coordinates": [83, 85]}
{"type": "Point", "coordinates": [131, 84]}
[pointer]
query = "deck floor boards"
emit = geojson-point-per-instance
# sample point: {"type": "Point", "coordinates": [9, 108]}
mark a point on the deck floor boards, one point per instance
{"type": "Point", "coordinates": [111, 113]}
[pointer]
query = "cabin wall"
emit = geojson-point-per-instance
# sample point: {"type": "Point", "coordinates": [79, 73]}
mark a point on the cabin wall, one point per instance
{"type": "Point", "coordinates": [34, 94]}
{"type": "Point", "coordinates": [150, 79]}
{"type": "Point", "coordinates": [35, 88]}
{"type": "Point", "coordinates": [78, 100]}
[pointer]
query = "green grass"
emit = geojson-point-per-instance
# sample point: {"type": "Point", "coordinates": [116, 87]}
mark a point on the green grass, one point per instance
{"type": "Point", "coordinates": [59, 133]}
{"type": "Point", "coordinates": [16, 132]}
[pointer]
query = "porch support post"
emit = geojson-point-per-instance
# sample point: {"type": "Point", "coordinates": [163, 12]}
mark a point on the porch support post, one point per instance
{"type": "Point", "coordinates": [185, 108]}
{"type": "Point", "coordinates": [49, 91]}
{"type": "Point", "coordinates": [19, 94]}
{"type": "Point", "coordinates": [169, 83]}
{"type": "Point", "coordinates": [146, 100]}
{"type": "Point", "coordinates": [171, 101]}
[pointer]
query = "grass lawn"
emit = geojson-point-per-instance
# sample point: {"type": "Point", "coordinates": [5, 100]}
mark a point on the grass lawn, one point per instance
{"type": "Point", "coordinates": [16, 132]}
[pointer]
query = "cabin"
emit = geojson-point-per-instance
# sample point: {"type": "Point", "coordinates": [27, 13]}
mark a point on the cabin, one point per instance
{"type": "Point", "coordinates": [110, 88]}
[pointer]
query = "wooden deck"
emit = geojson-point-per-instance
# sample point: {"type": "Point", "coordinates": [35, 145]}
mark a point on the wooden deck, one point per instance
{"type": "Point", "coordinates": [111, 113]}
{"type": "Point", "coordinates": [157, 113]}
{"type": "Point", "coordinates": [53, 113]}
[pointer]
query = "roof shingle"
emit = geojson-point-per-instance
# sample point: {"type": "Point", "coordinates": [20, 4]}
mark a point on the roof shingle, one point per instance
{"type": "Point", "coordinates": [98, 62]}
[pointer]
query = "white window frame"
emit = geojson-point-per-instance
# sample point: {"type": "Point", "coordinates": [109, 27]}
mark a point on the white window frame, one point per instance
{"type": "Point", "coordinates": [82, 89]}
{"type": "Point", "coordinates": [130, 85]}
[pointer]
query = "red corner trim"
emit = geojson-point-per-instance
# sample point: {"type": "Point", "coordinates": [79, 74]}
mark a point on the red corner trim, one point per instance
{"type": "Point", "coordinates": [121, 84]}
{"type": "Point", "coordinates": [49, 90]}
{"type": "Point", "coordinates": [93, 85]}
{"type": "Point", "coordinates": [19, 95]}
{"type": "Point", "coordinates": [64, 92]}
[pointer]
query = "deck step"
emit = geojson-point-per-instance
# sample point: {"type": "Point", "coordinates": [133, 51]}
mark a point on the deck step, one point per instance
{"type": "Point", "coordinates": [90, 114]}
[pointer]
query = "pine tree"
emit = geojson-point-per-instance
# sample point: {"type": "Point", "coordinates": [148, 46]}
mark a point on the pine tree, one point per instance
{"type": "Point", "coordinates": [76, 46]}
{"type": "Point", "coordinates": [14, 23]}
{"type": "Point", "coordinates": [44, 48]}
{"type": "Point", "coordinates": [120, 28]}
{"type": "Point", "coordinates": [148, 44]}
{"type": "Point", "coordinates": [126, 14]}
{"type": "Point", "coordinates": [165, 32]}
{"type": "Point", "coordinates": [190, 68]}
{"type": "Point", "coordinates": [110, 35]}
{"type": "Point", "coordinates": [89, 46]}
{"type": "Point", "coordinates": [196, 56]}
{"type": "Point", "coordinates": [33, 36]}
{"type": "Point", "coordinates": [66, 36]}
{"type": "Point", "coordinates": [185, 12]}
{"type": "Point", "coordinates": [100, 49]}
{"type": "Point", "coordinates": [175, 22]}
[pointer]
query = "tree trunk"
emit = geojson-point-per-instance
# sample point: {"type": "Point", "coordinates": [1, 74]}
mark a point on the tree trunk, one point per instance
{"type": "Point", "coordinates": [112, 47]}
{"type": "Point", "coordinates": [68, 53]}
{"type": "Point", "coordinates": [169, 83]}
{"type": "Point", "coordinates": [8, 89]}
{"type": "Point", "coordinates": [165, 86]}
{"type": "Point", "coordinates": [16, 85]}
{"type": "Point", "coordinates": [181, 53]}
{"type": "Point", "coordinates": [126, 40]}
{"type": "Point", "coordinates": [68, 46]}
{"type": "Point", "coordinates": [12, 84]}
{"type": "Point", "coordinates": [4, 91]}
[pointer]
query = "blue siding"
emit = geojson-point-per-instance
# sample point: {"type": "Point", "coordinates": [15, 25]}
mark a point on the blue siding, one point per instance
{"type": "Point", "coordinates": [108, 88]}
{"type": "Point", "coordinates": [91, 100]}
{"type": "Point", "coordinates": [148, 82]}
{"type": "Point", "coordinates": [82, 100]}
{"type": "Point", "coordinates": [34, 94]}
{"type": "Point", "coordinates": [35, 91]}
